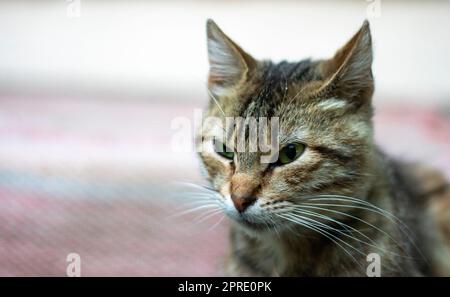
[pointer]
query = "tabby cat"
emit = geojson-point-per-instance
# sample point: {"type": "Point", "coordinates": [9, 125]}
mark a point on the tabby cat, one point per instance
{"type": "Point", "coordinates": [331, 203]}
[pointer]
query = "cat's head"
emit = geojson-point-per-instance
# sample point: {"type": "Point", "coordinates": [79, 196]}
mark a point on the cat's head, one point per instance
{"type": "Point", "coordinates": [324, 112]}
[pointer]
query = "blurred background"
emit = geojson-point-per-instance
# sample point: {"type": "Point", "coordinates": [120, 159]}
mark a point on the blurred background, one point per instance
{"type": "Point", "coordinates": [89, 89]}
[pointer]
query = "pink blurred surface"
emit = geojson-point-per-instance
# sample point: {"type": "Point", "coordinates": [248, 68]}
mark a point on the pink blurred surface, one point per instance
{"type": "Point", "coordinates": [94, 177]}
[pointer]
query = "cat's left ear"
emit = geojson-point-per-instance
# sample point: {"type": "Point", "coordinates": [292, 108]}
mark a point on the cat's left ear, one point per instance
{"type": "Point", "coordinates": [349, 73]}
{"type": "Point", "coordinates": [229, 65]}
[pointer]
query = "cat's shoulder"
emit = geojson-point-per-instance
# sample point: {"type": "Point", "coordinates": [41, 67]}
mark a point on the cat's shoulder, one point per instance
{"type": "Point", "coordinates": [434, 190]}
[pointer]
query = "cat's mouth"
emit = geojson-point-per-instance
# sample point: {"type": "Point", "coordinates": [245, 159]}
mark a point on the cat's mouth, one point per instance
{"type": "Point", "coordinates": [252, 218]}
{"type": "Point", "coordinates": [258, 226]}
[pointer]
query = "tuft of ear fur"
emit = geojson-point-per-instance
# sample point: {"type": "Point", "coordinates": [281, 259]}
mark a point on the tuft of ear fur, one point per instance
{"type": "Point", "coordinates": [349, 73]}
{"type": "Point", "coordinates": [229, 64]}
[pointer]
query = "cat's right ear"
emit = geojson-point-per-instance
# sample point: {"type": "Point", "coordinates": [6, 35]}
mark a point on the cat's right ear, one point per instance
{"type": "Point", "coordinates": [229, 65]}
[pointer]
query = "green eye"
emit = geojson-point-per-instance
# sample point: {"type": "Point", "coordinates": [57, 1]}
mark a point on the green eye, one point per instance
{"type": "Point", "coordinates": [290, 153]}
{"type": "Point", "coordinates": [224, 151]}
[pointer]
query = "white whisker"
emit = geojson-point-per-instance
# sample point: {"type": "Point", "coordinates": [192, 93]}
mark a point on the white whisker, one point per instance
{"type": "Point", "coordinates": [372, 244]}
{"type": "Point", "coordinates": [318, 230]}
{"type": "Point", "coordinates": [313, 206]}
{"type": "Point", "coordinates": [203, 206]}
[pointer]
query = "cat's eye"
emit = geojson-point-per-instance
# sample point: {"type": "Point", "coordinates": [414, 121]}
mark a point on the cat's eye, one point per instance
{"type": "Point", "coordinates": [290, 153]}
{"type": "Point", "coordinates": [224, 151]}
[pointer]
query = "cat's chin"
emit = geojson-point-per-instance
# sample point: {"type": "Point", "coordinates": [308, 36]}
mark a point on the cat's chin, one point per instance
{"type": "Point", "coordinates": [250, 222]}
{"type": "Point", "coordinates": [258, 227]}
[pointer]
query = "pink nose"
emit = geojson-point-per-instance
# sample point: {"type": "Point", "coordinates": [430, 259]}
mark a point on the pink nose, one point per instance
{"type": "Point", "coordinates": [243, 189]}
{"type": "Point", "coordinates": [242, 202]}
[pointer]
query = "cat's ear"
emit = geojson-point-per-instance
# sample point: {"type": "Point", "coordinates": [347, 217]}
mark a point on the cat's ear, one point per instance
{"type": "Point", "coordinates": [349, 73]}
{"type": "Point", "coordinates": [229, 65]}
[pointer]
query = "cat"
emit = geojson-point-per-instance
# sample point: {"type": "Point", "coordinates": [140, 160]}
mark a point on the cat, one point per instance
{"type": "Point", "coordinates": [331, 202]}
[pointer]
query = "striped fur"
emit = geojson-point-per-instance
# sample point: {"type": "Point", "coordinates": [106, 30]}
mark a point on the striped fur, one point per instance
{"type": "Point", "coordinates": [325, 104]}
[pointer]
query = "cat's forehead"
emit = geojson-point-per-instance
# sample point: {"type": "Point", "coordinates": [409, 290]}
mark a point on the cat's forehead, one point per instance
{"type": "Point", "coordinates": [282, 91]}
{"type": "Point", "coordinates": [277, 85]}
